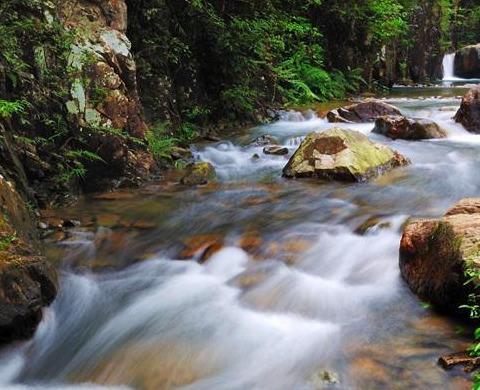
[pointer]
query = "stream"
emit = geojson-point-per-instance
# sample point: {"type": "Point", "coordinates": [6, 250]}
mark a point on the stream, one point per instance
{"type": "Point", "coordinates": [301, 293]}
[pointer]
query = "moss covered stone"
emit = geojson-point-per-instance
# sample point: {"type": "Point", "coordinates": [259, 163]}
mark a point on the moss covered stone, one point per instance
{"type": "Point", "coordinates": [198, 173]}
{"type": "Point", "coordinates": [342, 155]}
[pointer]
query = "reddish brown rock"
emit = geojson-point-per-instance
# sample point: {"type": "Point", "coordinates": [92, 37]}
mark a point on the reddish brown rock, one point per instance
{"type": "Point", "coordinates": [27, 281]}
{"type": "Point", "coordinates": [469, 113]}
{"type": "Point", "coordinates": [201, 247]}
{"type": "Point", "coordinates": [434, 254]}
{"type": "Point", "coordinates": [459, 359]}
{"type": "Point", "coordinates": [363, 112]}
{"type": "Point", "coordinates": [401, 127]}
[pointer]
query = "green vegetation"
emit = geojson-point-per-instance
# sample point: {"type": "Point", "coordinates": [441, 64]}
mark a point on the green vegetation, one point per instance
{"type": "Point", "coordinates": [472, 272]}
{"type": "Point", "coordinates": [233, 61]}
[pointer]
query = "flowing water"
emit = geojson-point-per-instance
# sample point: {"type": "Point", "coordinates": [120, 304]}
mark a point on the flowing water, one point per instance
{"type": "Point", "coordinates": [448, 67]}
{"type": "Point", "coordinates": [296, 297]}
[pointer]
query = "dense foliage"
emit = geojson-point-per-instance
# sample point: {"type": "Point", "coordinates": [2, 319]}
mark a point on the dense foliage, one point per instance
{"type": "Point", "coordinates": [212, 60]}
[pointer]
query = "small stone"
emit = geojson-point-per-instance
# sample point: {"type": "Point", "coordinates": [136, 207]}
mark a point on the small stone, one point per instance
{"type": "Point", "coordinates": [198, 174]}
{"type": "Point", "coordinates": [264, 140]}
{"type": "Point", "coordinates": [275, 150]}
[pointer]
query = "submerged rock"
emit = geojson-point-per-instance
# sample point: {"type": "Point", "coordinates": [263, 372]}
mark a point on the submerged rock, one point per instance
{"type": "Point", "coordinates": [198, 173]}
{"type": "Point", "coordinates": [276, 150]}
{"type": "Point", "coordinates": [467, 62]}
{"type": "Point", "coordinates": [342, 155]}
{"type": "Point", "coordinates": [363, 112]}
{"type": "Point", "coordinates": [264, 140]}
{"type": "Point", "coordinates": [434, 254]}
{"type": "Point", "coordinates": [401, 127]}
{"type": "Point", "coordinates": [469, 113]}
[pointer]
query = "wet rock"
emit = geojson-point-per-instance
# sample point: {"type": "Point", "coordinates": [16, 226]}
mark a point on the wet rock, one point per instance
{"type": "Point", "coordinates": [434, 254]}
{"type": "Point", "coordinates": [460, 358]}
{"type": "Point", "coordinates": [143, 224]}
{"type": "Point", "coordinates": [108, 220]}
{"type": "Point", "coordinates": [71, 223]}
{"type": "Point", "coordinates": [372, 225]}
{"type": "Point", "coordinates": [255, 158]}
{"type": "Point", "coordinates": [363, 112]}
{"type": "Point", "coordinates": [27, 281]}
{"type": "Point", "coordinates": [201, 247]}
{"type": "Point", "coordinates": [250, 242]}
{"type": "Point", "coordinates": [401, 127]}
{"type": "Point", "coordinates": [27, 284]}
{"type": "Point", "coordinates": [467, 62]}
{"type": "Point", "coordinates": [341, 155]}
{"type": "Point", "coordinates": [264, 140]}
{"type": "Point", "coordinates": [198, 173]}
{"type": "Point", "coordinates": [183, 154]}
{"type": "Point", "coordinates": [115, 196]}
{"type": "Point", "coordinates": [469, 113]}
{"type": "Point", "coordinates": [275, 150]}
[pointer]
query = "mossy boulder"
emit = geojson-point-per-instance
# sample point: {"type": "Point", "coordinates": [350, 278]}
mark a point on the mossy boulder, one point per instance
{"type": "Point", "coordinates": [341, 155]}
{"type": "Point", "coordinates": [401, 127]}
{"type": "Point", "coordinates": [364, 112]}
{"type": "Point", "coordinates": [198, 173]}
{"type": "Point", "coordinates": [434, 254]}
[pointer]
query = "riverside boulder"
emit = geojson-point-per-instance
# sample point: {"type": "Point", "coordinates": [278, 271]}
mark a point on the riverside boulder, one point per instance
{"type": "Point", "coordinates": [469, 112]}
{"type": "Point", "coordinates": [341, 155]}
{"type": "Point", "coordinates": [401, 127]}
{"type": "Point", "coordinates": [434, 254]}
{"type": "Point", "coordinates": [363, 112]}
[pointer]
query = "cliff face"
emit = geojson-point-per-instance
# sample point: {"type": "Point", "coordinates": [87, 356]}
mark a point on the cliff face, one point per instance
{"type": "Point", "coordinates": [81, 126]}
{"type": "Point", "coordinates": [78, 126]}
{"type": "Point", "coordinates": [103, 92]}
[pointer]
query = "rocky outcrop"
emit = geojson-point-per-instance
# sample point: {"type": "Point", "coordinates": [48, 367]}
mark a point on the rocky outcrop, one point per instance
{"type": "Point", "coordinates": [27, 281]}
{"type": "Point", "coordinates": [363, 112]}
{"type": "Point", "coordinates": [197, 174]}
{"type": "Point", "coordinates": [342, 155]}
{"type": "Point", "coordinates": [104, 99]}
{"type": "Point", "coordinates": [435, 253]}
{"type": "Point", "coordinates": [401, 127]}
{"type": "Point", "coordinates": [467, 62]}
{"type": "Point", "coordinates": [469, 113]}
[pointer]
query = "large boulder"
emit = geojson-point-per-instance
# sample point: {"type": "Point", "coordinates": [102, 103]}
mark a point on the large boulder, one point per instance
{"type": "Point", "coordinates": [342, 155]}
{"type": "Point", "coordinates": [469, 112]}
{"type": "Point", "coordinates": [401, 127]}
{"type": "Point", "coordinates": [363, 112]}
{"type": "Point", "coordinates": [467, 62]}
{"type": "Point", "coordinates": [435, 253]}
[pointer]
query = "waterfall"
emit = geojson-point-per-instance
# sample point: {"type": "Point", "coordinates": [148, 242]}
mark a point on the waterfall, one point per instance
{"type": "Point", "coordinates": [448, 67]}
